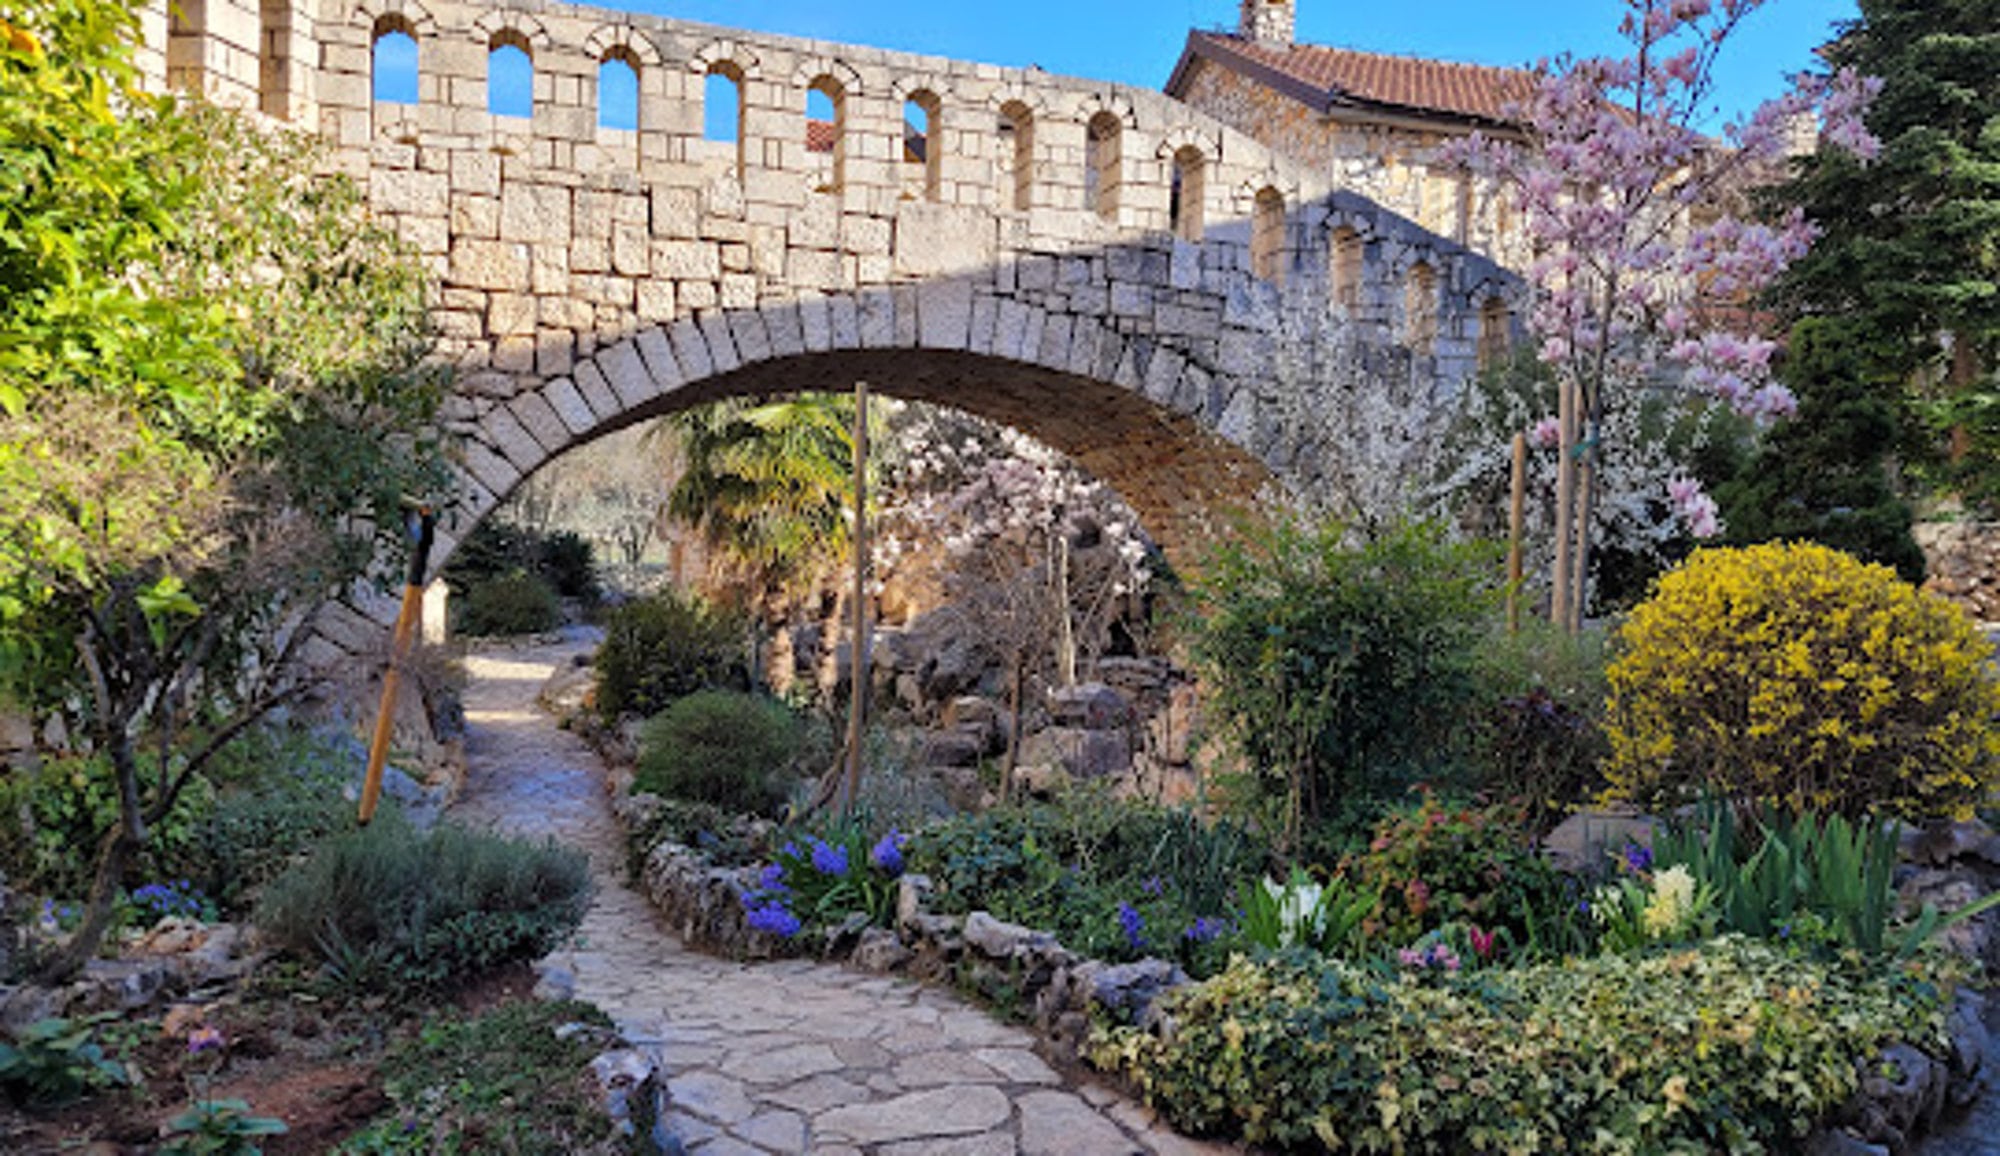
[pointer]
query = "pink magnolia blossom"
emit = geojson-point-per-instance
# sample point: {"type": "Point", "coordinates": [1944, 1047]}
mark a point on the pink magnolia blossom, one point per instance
{"type": "Point", "coordinates": [1545, 434]}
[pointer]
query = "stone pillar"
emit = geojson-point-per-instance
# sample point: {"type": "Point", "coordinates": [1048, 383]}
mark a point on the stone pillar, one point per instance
{"type": "Point", "coordinates": [437, 597]}
{"type": "Point", "coordinates": [1268, 21]}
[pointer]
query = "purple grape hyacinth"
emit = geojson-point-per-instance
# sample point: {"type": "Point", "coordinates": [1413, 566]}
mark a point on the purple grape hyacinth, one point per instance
{"type": "Point", "coordinates": [887, 854]}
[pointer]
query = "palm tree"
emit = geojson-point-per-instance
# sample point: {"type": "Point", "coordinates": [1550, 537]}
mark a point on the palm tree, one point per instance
{"type": "Point", "coordinates": [766, 485]}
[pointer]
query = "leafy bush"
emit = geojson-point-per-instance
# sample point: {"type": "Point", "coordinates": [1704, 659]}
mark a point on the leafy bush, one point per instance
{"type": "Point", "coordinates": [1729, 1046]}
{"type": "Point", "coordinates": [664, 647]}
{"type": "Point", "coordinates": [1794, 675]}
{"type": "Point", "coordinates": [387, 906]}
{"type": "Point", "coordinates": [515, 1079]}
{"type": "Point", "coordinates": [1113, 881]}
{"type": "Point", "coordinates": [1335, 665]}
{"type": "Point", "coordinates": [53, 1061]}
{"type": "Point", "coordinates": [54, 817]}
{"type": "Point", "coordinates": [1541, 739]}
{"type": "Point", "coordinates": [517, 603]}
{"type": "Point", "coordinates": [736, 750]}
{"type": "Point", "coordinates": [496, 549]}
{"type": "Point", "coordinates": [1302, 913]}
{"type": "Point", "coordinates": [1439, 863]}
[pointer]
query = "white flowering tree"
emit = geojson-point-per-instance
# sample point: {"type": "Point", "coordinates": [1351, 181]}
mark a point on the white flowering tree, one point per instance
{"type": "Point", "coordinates": [1643, 258]}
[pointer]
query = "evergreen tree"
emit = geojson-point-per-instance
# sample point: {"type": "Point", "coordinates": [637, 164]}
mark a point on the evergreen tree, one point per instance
{"type": "Point", "coordinates": [1909, 259]}
{"type": "Point", "coordinates": [1823, 475]}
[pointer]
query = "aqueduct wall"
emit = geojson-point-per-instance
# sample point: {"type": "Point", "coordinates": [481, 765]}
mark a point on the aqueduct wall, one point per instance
{"type": "Point", "coordinates": [1101, 266]}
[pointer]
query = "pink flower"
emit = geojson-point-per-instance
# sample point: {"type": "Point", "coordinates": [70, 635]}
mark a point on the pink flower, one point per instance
{"type": "Point", "coordinates": [1545, 434]}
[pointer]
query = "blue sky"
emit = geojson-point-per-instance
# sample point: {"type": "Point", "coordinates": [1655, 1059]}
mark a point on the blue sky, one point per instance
{"type": "Point", "coordinates": [1137, 41]}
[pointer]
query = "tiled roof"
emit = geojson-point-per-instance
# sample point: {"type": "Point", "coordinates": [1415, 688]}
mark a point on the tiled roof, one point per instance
{"type": "Point", "coordinates": [1328, 77]}
{"type": "Point", "coordinates": [820, 135]}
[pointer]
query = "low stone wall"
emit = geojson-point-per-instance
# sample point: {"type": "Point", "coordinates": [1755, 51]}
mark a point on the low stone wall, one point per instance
{"type": "Point", "coordinates": [1905, 1092]}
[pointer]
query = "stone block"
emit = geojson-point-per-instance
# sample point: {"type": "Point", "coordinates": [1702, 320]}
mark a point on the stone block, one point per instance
{"type": "Point", "coordinates": [687, 260]}
{"type": "Point", "coordinates": [539, 418]}
{"type": "Point", "coordinates": [691, 349]}
{"type": "Point", "coordinates": [655, 300]}
{"type": "Point", "coordinates": [567, 402]}
{"type": "Point", "coordinates": [597, 392]}
{"type": "Point", "coordinates": [626, 372]}
{"type": "Point", "coordinates": [532, 212]}
{"type": "Point", "coordinates": [510, 314]}
{"type": "Point", "coordinates": [721, 344]}
{"type": "Point", "coordinates": [482, 264]}
{"type": "Point", "coordinates": [629, 250]}
{"type": "Point", "coordinates": [938, 240]}
{"type": "Point", "coordinates": [408, 191]}
{"type": "Point", "coordinates": [658, 354]}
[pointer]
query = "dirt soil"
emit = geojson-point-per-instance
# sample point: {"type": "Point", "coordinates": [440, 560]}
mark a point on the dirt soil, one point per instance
{"type": "Point", "coordinates": [304, 1060]}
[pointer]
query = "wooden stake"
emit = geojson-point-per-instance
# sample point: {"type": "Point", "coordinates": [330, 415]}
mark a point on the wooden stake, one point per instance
{"type": "Point", "coordinates": [1517, 510]}
{"type": "Point", "coordinates": [1559, 591]}
{"type": "Point", "coordinates": [425, 525]}
{"type": "Point", "coordinates": [857, 681]}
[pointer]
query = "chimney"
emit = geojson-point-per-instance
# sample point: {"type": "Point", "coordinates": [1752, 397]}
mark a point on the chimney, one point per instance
{"type": "Point", "coordinates": [1268, 22]}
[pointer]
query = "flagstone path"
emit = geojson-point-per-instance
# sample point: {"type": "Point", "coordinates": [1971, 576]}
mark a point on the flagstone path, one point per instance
{"type": "Point", "coordinates": [772, 1057]}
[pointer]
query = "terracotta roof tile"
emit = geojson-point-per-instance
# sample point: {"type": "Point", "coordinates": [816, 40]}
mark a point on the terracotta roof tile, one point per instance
{"type": "Point", "coordinates": [1406, 82]}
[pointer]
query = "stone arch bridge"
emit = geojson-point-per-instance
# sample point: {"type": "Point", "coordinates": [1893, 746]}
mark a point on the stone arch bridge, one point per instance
{"type": "Point", "coordinates": [1100, 266]}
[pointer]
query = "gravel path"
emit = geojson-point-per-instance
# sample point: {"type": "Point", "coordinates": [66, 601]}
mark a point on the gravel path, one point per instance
{"type": "Point", "coordinates": [773, 1057]}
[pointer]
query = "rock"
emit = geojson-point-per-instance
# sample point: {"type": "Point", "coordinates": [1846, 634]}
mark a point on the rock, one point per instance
{"type": "Point", "coordinates": [1905, 1091]}
{"type": "Point", "coordinates": [912, 892]}
{"type": "Point", "coordinates": [1945, 843]}
{"type": "Point", "coordinates": [1131, 988]}
{"type": "Point", "coordinates": [632, 1095]}
{"type": "Point", "coordinates": [1089, 706]}
{"type": "Point", "coordinates": [1586, 840]}
{"type": "Point", "coordinates": [995, 938]}
{"type": "Point", "coordinates": [29, 1004]}
{"type": "Point", "coordinates": [953, 748]}
{"type": "Point", "coordinates": [554, 983]}
{"type": "Point", "coordinates": [1082, 754]}
{"type": "Point", "coordinates": [123, 984]}
{"type": "Point", "coordinates": [880, 951]}
{"type": "Point", "coordinates": [1840, 1142]}
{"type": "Point", "coordinates": [421, 805]}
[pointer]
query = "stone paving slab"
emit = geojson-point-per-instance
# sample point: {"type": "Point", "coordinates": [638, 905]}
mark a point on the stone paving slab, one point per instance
{"type": "Point", "coordinates": [783, 1057]}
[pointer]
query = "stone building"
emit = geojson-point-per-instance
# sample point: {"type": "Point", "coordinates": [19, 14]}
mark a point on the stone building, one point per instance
{"type": "Point", "coordinates": [1371, 123]}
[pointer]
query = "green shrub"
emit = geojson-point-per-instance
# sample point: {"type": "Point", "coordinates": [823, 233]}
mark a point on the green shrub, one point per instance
{"type": "Point", "coordinates": [736, 750]}
{"type": "Point", "coordinates": [1541, 738]}
{"type": "Point", "coordinates": [1439, 863]}
{"type": "Point", "coordinates": [495, 549]}
{"type": "Point", "coordinates": [1336, 667]}
{"type": "Point", "coordinates": [284, 795]}
{"type": "Point", "coordinates": [53, 1061]}
{"type": "Point", "coordinates": [514, 1079]}
{"type": "Point", "coordinates": [1796, 676]}
{"type": "Point", "coordinates": [54, 817]}
{"type": "Point", "coordinates": [1729, 1046]}
{"type": "Point", "coordinates": [517, 603]}
{"type": "Point", "coordinates": [664, 647]}
{"type": "Point", "coordinates": [1111, 880]}
{"type": "Point", "coordinates": [386, 907]}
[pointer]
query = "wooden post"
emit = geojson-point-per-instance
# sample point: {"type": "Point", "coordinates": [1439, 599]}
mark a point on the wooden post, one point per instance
{"type": "Point", "coordinates": [424, 525]}
{"type": "Point", "coordinates": [857, 673]}
{"type": "Point", "coordinates": [1559, 592]}
{"type": "Point", "coordinates": [1517, 509]}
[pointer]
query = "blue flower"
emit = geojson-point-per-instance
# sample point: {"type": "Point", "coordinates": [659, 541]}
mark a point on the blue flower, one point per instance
{"type": "Point", "coordinates": [1204, 929]}
{"type": "Point", "coordinates": [774, 918]}
{"type": "Point", "coordinates": [1638, 859]}
{"type": "Point", "coordinates": [887, 854]}
{"type": "Point", "coordinates": [771, 880]}
{"type": "Point", "coordinates": [828, 859]}
{"type": "Point", "coordinates": [1133, 925]}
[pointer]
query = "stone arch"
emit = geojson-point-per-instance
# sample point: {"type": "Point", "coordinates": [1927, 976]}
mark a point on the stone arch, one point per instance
{"type": "Point", "coordinates": [1124, 407]}
{"type": "Point", "coordinates": [409, 17]}
{"type": "Point", "coordinates": [924, 153]}
{"type": "Point", "coordinates": [1269, 225]}
{"type": "Point", "coordinates": [609, 40]}
{"type": "Point", "coordinates": [497, 26]}
{"type": "Point", "coordinates": [841, 85]}
{"type": "Point", "coordinates": [718, 54]}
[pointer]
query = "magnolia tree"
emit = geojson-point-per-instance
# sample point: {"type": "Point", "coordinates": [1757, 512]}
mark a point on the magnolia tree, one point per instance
{"type": "Point", "coordinates": [1643, 261]}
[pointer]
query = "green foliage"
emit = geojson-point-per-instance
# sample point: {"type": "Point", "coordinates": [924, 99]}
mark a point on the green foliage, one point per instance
{"type": "Point", "coordinates": [1906, 258]}
{"type": "Point", "coordinates": [516, 603]}
{"type": "Point", "coordinates": [736, 750]}
{"type": "Point", "coordinates": [1803, 879]}
{"type": "Point", "coordinates": [218, 1128]}
{"type": "Point", "coordinates": [1729, 1046]}
{"type": "Point", "coordinates": [1439, 863]}
{"type": "Point", "coordinates": [1327, 918]}
{"type": "Point", "coordinates": [54, 1061]}
{"type": "Point", "coordinates": [1541, 739]}
{"type": "Point", "coordinates": [664, 647]}
{"type": "Point", "coordinates": [54, 817]}
{"type": "Point", "coordinates": [1823, 474]}
{"type": "Point", "coordinates": [1336, 666]}
{"type": "Point", "coordinates": [1068, 867]}
{"type": "Point", "coordinates": [768, 485]}
{"type": "Point", "coordinates": [514, 1079]}
{"type": "Point", "coordinates": [1794, 675]}
{"type": "Point", "coordinates": [387, 906]}
{"type": "Point", "coordinates": [562, 559]}
{"type": "Point", "coordinates": [282, 796]}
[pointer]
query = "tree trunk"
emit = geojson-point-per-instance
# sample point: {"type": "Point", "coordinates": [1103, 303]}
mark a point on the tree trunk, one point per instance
{"type": "Point", "coordinates": [1586, 503]}
{"type": "Point", "coordinates": [1013, 759]}
{"type": "Point", "coordinates": [116, 853]}
{"type": "Point", "coordinates": [1559, 584]}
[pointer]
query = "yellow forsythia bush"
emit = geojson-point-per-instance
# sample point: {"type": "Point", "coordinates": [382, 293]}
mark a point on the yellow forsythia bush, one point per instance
{"type": "Point", "coordinates": [1802, 677]}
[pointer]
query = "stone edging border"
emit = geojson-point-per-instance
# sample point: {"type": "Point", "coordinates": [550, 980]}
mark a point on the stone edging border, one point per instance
{"type": "Point", "coordinates": [1054, 990]}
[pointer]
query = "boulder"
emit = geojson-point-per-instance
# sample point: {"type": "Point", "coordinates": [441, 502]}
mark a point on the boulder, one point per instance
{"type": "Point", "coordinates": [1089, 706]}
{"type": "Point", "coordinates": [1080, 753]}
{"type": "Point", "coordinates": [880, 950]}
{"type": "Point", "coordinates": [1587, 839]}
